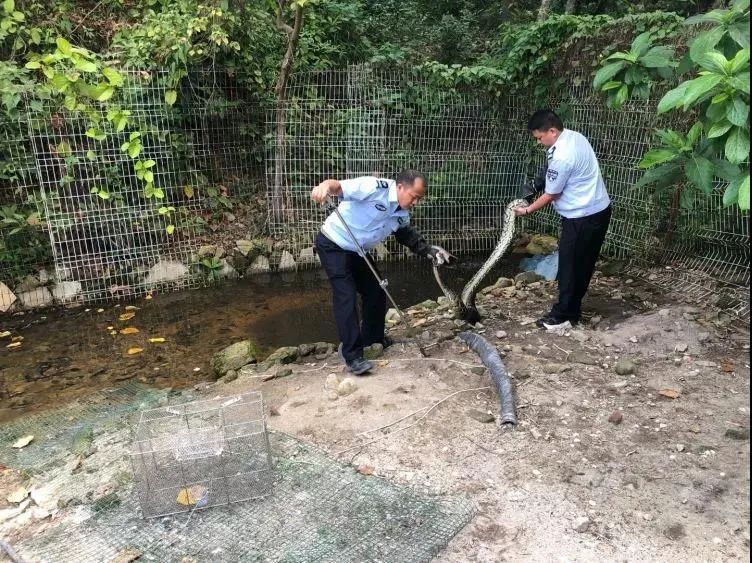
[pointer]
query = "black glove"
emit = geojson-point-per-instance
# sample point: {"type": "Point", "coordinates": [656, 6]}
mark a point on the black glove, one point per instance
{"type": "Point", "coordinates": [533, 188]}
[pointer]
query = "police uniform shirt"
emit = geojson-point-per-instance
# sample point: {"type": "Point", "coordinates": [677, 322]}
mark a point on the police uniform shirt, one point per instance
{"type": "Point", "coordinates": [369, 207]}
{"type": "Point", "coordinates": [574, 173]}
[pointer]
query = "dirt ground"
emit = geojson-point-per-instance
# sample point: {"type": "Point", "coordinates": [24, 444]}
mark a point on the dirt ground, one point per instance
{"type": "Point", "coordinates": [668, 482]}
{"type": "Point", "coordinates": [648, 464]}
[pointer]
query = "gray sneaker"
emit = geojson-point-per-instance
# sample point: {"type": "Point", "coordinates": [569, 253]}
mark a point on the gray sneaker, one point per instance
{"type": "Point", "coordinates": [358, 366]}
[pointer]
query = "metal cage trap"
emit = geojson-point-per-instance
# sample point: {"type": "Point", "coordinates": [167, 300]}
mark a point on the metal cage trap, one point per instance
{"type": "Point", "coordinates": [200, 454]}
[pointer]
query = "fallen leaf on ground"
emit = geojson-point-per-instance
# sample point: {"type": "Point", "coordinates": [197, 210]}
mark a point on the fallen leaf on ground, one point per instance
{"type": "Point", "coordinates": [135, 350]}
{"type": "Point", "coordinates": [364, 469]}
{"type": "Point", "coordinates": [727, 366]}
{"type": "Point", "coordinates": [127, 555]}
{"type": "Point", "coordinates": [110, 328]}
{"type": "Point", "coordinates": [18, 495]}
{"type": "Point", "coordinates": [670, 393]}
{"type": "Point", "coordinates": [129, 330]}
{"type": "Point", "coordinates": [23, 441]}
{"type": "Point", "coordinates": [131, 308]}
{"type": "Point", "coordinates": [126, 316]}
{"type": "Point", "coordinates": [4, 333]}
{"type": "Point", "coordinates": [13, 345]}
{"type": "Point", "coordinates": [157, 340]}
{"type": "Point", "coordinates": [191, 495]}
{"type": "Point", "coordinates": [148, 296]}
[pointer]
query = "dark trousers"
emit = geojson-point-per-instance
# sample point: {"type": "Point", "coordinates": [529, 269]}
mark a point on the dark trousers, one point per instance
{"type": "Point", "coordinates": [349, 275]}
{"type": "Point", "coordinates": [579, 248]}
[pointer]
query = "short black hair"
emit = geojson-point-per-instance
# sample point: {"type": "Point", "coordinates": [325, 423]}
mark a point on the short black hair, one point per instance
{"type": "Point", "coordinates": [543, 120]}
{"type": "Point", "coordinates": [408, 177]}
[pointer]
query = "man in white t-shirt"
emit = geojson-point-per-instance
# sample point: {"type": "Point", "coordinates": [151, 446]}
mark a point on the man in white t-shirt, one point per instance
{"type": "Point", "coordinates": [572, 182]}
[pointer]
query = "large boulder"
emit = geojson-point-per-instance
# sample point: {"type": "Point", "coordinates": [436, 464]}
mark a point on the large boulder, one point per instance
{"type": "Point", "coordinates": [260, 265]}
{"type": "Point", "coordinates": [284, 355]}
{"type": "Point", "coordinates": [287, 262]}
{"type": "Point", "coordinates": [66, 291]}
{"type": "Point", "coordinates": [166, 271]}
{"type": "Point", "coordinates": [7, 297]}
{"type": "Point", "coordinates": [39, 297]}
{"type": "Point", "coordinates": [542, 244]}
{"type": "Point", "coordinates": [234, 357]}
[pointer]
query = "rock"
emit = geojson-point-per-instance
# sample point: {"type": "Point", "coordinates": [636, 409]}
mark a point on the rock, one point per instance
{"type": "Point", "coordinates": [227, 272]}
{"type": "Point", "coordinates": [207, 251]}
{"type": "Point", "coordinates": [7, 297]}
{"type": "Point", "coordinates": [527, 277]}
{"type": "Point", "coordinates": [66, 291]}
{"type": "Point", "coordinates": [612, 268]}
{"type": "Point", "coordinates": [737, 433]}
{"type": "Point", "coordinates": [346, 387]}
{"type": "Point", "coordinates": [480, 416]}
{"type": "Point", "coordinates": [392, 315]}
{"type": "Point", "coordinates": [625, 367]}
{"type": "Point", "coordinates": [428, 304]}
{"type": "Point", "coordinates": [260, 264]}
{"type": "Point", "coordinates": [504, 282]}
{"type": "Point", "coordinates": [580, 357]}
{"type": "Point", "coordinates": [501, 334]}
{"type": "Point", "coordinates": [27, 284]}
{"type": "Point", "coordinates": [244, 246]}
{"type": "Point", "coordinates": [444, 300]}
{"type": "Point", "coordinates": [595, 321]}
{"type": "Point", "coordinates": [542, 244]}
{"type": "Point", "coordinates": [306, 349]}
{"type": "Point", "coordinates": [579, 335]}
{"type": "Point", "coordinates": [283, 355]}
{"type": "Point", "coordinates": [282, 372]}
{"type": "Point", "coordinates": [324, 348]}
{"type": "Point", "coordinates": [287, 262]}
{"type": "Point", "coordinates": [331, 382]}
{"type": "Point", "coordinates": [581, 525]}
{"type": "Point", "coordinates": [373, 351]}
{"type": "Point", "coordinates": [680, 447]}
{"type": "Point", "coordinates": [166, 271]}
{"type": "Point", "coordinates": [616, 417]}
{"type": "Point", "coordinates": [478, 370]}
{"type": "Point", "coordinates": [681, 347]}
{"type": "Point", "coordinates": [39, 297]}
{"type": "Point", "coordinates": [231, 375]}
{"type": "Point", "coordinates": [234, 357]}
{"type": "Point", "coordinates": [308, 256]}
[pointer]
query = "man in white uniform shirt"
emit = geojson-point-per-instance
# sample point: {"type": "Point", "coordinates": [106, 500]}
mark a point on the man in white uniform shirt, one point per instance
{"type": "Point", "coordinates": [572, 182]}
{"type": "Point", "coordinates": [373, 208]}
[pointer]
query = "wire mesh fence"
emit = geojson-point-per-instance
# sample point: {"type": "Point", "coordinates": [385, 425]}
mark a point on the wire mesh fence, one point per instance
{"type": "Point", "coordinates": [96, 237]}
{"type": "Point", "coordinates": [476, 153]}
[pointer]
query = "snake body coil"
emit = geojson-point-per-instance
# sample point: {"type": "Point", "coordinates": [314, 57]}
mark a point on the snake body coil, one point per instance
{"type": "Point", "coordinates": [465, 303]}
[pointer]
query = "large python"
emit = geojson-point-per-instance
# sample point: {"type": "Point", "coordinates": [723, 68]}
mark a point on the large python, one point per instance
{"type": "Point", "coordinates": [464, 305]}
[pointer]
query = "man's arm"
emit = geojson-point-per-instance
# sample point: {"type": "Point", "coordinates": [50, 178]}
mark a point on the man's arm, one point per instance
{"type": "Point", "coordinates": [325, 189]}
{"type": "Point", "coordinates": [412, 239]}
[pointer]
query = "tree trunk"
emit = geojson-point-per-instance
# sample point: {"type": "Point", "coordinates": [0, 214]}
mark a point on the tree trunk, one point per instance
{"type": "Point", "coordinates": [292, 34]}
{"type": "Point", "coordinates": [545, 8]}
{"type": "Point", "coordinates": [571, 7]}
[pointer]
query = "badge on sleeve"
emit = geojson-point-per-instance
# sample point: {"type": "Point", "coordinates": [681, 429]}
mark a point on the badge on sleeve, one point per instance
{"type": "Point", "coordinates": [552, 174]}
{"type": "Point", "coordinates": [382, 184]}
{"type": "Point", "coordinates": [380, 207]}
